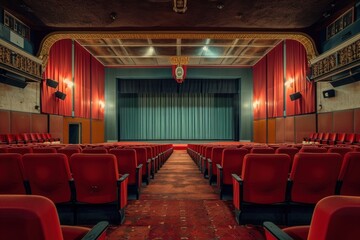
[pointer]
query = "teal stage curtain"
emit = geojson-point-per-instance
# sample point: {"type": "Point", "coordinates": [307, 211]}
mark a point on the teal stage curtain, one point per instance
{"type": "Point", "coordinates": [176, 116]}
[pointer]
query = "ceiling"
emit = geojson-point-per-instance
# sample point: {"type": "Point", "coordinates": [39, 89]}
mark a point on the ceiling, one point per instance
{"type": "Point", "coordinates": [47, 16]}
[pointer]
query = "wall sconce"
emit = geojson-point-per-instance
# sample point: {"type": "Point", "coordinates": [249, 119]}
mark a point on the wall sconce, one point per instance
{"type": "Point", "coordinates": [256, 104]}
{"type": "Point", "coordinates": [289, 83]}
{"type": "Point", "coordinates": [101, 104]}
{"type": "Point", "coordinates": [68, 84]}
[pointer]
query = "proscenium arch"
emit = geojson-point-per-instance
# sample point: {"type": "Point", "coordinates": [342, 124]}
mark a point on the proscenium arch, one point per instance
{"type": "Point", "coordinates": [50, 39]}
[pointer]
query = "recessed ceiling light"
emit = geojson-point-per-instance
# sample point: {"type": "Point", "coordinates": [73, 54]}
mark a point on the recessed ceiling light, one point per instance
{"type": "Point", "coordinates": [205, 48]}
{"type": "Point", "coordinates": [220, 5]}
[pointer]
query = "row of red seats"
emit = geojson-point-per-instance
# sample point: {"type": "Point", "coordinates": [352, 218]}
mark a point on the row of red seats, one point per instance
{"type": "Point", "coordinates": [93, 179]}
{"type": "Point", "coordinates": [334, 138]}
{"type": "Point", "coordinates": [232, 165]}
{"type": "Point", "coordinates": [22, 138]}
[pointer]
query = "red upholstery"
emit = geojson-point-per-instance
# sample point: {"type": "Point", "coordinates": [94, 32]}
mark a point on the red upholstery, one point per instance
{"type": "Point", "coordinates": [291, 151]}
{"type": "Point", "coordinates": [204, 165]}
{"type": "Point", "coordinates": [231, 163]}
{"type": "Point", "coordinates": [96, 150]}
{"type": "Point", "coordinates": [341, 150]}
{"type": "Point", "coordinates": [10, 139]}
{"type": "Point", "coordinates": [26, 137]}
{"type": "Point", "coordinates": [3, 139]}
{"type": "Point", "coordinates": [262, 150]}
{"type": "Point", "coordinates": [11, 174]}
{"type": "Point", "coordinates": [349, 174]}
{"type": "Point", "coordinates": [357, 139]}
{"type": "Point", "coordinates": [4, 149]}
{"type": "Point", "coordinates": [332, 138]}
{"type": "Point", "coordinates": [19, 138]}
{"type": "Point", "coordinates": [349, 138]}
{"type": "Point", "coordinates": [264, 180]}
{"type": "Point", "coordinates": [68, 151]}
{"type": "Point", "coordinates": [340, 138]}
{"type": "Point", "coordinates": [21, 150]}
{"type": "Point", "coordinates": [142, 159]}
{"type": "Point", "coordinates": [97, 180]}
{"type": "Point", "coordinates": [49, 175]}
{"type": "Point", "coordinates": [314, 176]}
{"type": "Point", "coordinates": [39, 137]}
{"type": "Point", "coordinates": [216, 155]}
{"type": "Point", "coordinates": [29, 217]}
{"type": "Point", "coordinates": [319, 137]}
{"type": "Point", "coordinates": [127, 163]}
{"type": "Point", "coordinates": [313, 149]}
{"type": "Point", "coordinates": [334, 218]}
{"type": "Point", "coordinates": [325, 138]}
{"type": "Point", "coordinates": [44, 150]}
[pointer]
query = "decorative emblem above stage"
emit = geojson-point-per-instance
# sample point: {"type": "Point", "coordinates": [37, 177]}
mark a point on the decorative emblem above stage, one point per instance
{"type": "Point", "coordinates": [179, 67]}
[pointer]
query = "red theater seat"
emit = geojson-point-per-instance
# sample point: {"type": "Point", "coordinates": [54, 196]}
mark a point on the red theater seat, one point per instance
{"type": "Point", "coordinates": [29, 217]}
{"type": "Point", "coordinates": [291, 151]}
{"type": "Point", "coordinates": [334, 218]}
{"type": "Point", "coordinates": [340, 138]}
{"type": "Point", "coordinates": [325, 138]}
{"type": "Point", "coordinates": [10, 139]}
{"type": "Point", "coordinates": [21, 150]}
{"type": "Point", "coordinates": [349, 138]}
{"type": "Point", "coordinates": [216, 155]}
{"type": "Point", "coordinates": [313, 149]}
{"type": "Point", "coordinates": [11, 174]}
{"type": "Point", "coordinates": [44, 150]}
{"type": "Point", "coordinates": [69, 151]}
{"type": "Point", "coordinates": [97, 182]}
{"type": "Point", "coordinates": [332, 138]}
{"type": "Point", "coordinates": [142, 159]}
{"type": "Point", "coordinates": [127, 163]}
{"type": "Point", "coordinates": [340, 150]}
{"type": "Point", "coordinates": [231, 163]}
{"type": "Point", "coordinates": [263, 182]}
{"type": "Point", "coordinates": [349, 175]}
{"type": "Point", "coordinates": [96, 150]}
{"type": "Point", "coordinates": [262, 150]}
{"type": "Point", "coordinates": [49, 175]}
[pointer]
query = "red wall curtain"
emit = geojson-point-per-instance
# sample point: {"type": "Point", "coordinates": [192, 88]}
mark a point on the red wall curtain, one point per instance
{"type": "Point", "coordinates": [296, 66]}
{"type": "Point", "coordinates": [275, 82]}
{"type": "Point", "coordinates": [82, 82]}
{"type": "Point", "coordinates": [97, 89]}
{"type": "Point", "coordinates": [58, 69]}
{"type": "Point", "coordinates": [259, 92]}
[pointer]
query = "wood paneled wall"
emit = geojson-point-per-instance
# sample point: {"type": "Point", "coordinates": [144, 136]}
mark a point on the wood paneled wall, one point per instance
{"type": "Point", "coordinates": [260, 131]}
{"type": "Point", "coordinates": [22, 122]}
{"type": "Point", "coordinates": [56, 126]}
{"type": "Point", "coordinates": [97, 131]}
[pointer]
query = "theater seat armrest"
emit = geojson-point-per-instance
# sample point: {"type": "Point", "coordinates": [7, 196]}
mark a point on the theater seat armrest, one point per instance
{"type": "Point", "coordinates": [123, 177]}
{"type": "Point", "coordinates": [276, 232]}
{"type": "Point", "coordinates": [139, 166]}
{"type": "Point", "coordinates": [219, 166]}
{"type": "Point", "coordinates": [96, 231]}
{"type": "Point", "coordinates": [209, 160]}
{"type": "Point", "coordinates": [236, 177]}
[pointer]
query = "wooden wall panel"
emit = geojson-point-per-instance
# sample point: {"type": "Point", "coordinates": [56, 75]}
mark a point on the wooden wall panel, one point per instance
{"type": "Point", "coordinates": [260, 131]}
{"type": "Point", "coordinates": [304, 125]}
{"type": "Point", "coordinates": [271, 128]}
{"type": "Point", "coordinates": [20, 122]}
{"type": "Point", "coordinates": [357, 120]}
{"type": "Point", "coordinates": [4, 121]}
{"type": "Point", "coordinates": [39, 123]}
{"type": "Point", "coordinates": [85, 129]}
{"type": "Point", "coordinates": [280, 130]}
{"type": "Point", "coordinates": [97, 131]}
{"type": "Point", "coordinates": [289, 130]}
{"type": "Point", "coordinates": [343, 121]}
{"type": "Point", "coordinates": [325, 122]}
{"type": "Point", "coordinates": [56, 126]}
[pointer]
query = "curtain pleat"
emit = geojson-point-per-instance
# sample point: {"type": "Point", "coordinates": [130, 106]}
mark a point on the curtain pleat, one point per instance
{"type": "Point", "coordinates": [58, 69]}
{"type": "Point", "coordinates": [259, 89]}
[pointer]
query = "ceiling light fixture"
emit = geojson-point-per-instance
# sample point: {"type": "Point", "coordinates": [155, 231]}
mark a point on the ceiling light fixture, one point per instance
{"type": "Point", "coordinates": [113, 16]}
{"type": "Point", "coordinates": [180, 6]}
{"type": "Point", "coordinates": [205, 48]}
{"type": "Point", "coordinates": [220, 5]}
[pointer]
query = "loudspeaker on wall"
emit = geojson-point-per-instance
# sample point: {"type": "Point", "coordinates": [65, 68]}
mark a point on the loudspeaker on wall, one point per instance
{"type": "Point", "coordinates": [60, 95]}
{"type": "Point", "coordinates": [295, 96]}
{"type": "Point", "coordinates": [51, 83]}
{"type": "Point", "coordinates": [329, 93]}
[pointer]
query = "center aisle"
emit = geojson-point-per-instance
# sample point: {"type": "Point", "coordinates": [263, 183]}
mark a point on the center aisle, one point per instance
{"type": "Point", "coordinates": [180, 204]}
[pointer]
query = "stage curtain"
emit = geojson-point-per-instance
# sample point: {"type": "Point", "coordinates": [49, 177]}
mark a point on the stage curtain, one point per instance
{"type": "Point", "coordinates": [296, 67]}
{"type": "Point", "coordinates": [82, 81]}
{"type": "Point", "coordinates": [275, 82]}
{"type": "Point", "coordinates": [173, 116]}
{"type": "Point", "coordinates": [97, 89]}
{"type": "Point", "coordinates": [57, 69]}
{"type": "Point", "coordinates": [259, 89]}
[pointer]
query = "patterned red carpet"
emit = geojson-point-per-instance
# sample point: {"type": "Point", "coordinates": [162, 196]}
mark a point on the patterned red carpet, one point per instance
{"type": "Point", "coordinates": [180, 204]}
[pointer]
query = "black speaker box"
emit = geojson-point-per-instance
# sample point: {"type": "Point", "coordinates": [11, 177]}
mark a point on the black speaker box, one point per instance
{"type": "Point", "coordinates": [329, 93]}
{"type": "Point", "coordinates": [295, 96]}
{"type": "Point", "coordinates": [348, 80]}
{"type": "Point", "coordinates": [60, 95]}
{"type": "Point", "coordinates": [51, 83]}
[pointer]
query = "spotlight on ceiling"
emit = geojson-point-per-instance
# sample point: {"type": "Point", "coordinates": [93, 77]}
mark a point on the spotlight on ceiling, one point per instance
{"type": "Point", "coordinates": [205, 48]}
{"type": "Point", "coordinates": [220, 5]}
